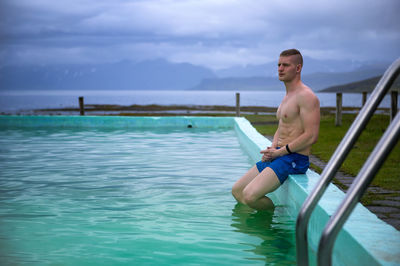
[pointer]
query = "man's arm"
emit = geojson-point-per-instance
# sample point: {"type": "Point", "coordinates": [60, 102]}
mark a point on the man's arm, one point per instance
{"type": "Point", "coordinates": [266, 156]}
{"type": "Point", "coordinates": [309, 117]}
{"type": "Point", "coordinates": [275, 140]}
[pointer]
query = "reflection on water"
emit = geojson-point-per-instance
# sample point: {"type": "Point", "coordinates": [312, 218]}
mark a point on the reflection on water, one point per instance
{"type": "Point", "coordinates": [274, 228]}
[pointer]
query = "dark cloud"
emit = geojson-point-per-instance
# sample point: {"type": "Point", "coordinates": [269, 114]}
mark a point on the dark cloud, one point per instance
{"type": "Point", "coordinates": [216, 34]}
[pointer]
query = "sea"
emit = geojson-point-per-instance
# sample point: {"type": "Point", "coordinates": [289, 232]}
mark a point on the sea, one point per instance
{"type": "Point", "coordinates": [16, 102]}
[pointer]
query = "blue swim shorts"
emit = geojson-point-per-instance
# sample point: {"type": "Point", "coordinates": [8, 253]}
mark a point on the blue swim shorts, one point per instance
{"type": "Point", "coordinates": [286, 165]}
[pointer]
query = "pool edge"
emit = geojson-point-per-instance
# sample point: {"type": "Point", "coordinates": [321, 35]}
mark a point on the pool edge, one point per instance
{"type": "Point", "coordinates": [118, 122]}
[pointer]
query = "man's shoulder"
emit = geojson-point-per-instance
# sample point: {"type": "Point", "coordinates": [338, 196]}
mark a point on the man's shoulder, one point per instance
{"type": "Point", "coordinates": [304, 89]}
{"type": "Point", "coordinates": [307, 96]}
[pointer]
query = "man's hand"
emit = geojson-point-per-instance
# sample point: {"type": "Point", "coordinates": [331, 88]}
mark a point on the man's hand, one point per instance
{"type": "Point", "coordinates": [269, 154]}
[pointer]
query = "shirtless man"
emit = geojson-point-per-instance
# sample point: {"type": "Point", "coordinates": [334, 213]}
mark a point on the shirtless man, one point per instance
{"type": "Point", "coordinates": [298, 128]}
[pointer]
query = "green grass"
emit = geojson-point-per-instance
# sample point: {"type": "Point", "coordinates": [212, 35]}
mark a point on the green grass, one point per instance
{"type": "Point", "coordinates": [330, 136]}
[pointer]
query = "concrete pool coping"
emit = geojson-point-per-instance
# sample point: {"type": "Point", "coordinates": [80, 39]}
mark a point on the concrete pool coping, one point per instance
{"type": "Point", "coordinates": [364, 239]}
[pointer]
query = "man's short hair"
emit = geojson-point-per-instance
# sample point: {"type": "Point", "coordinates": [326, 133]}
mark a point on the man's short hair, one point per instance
{"type": "Point", "coordinates": [289, 52]}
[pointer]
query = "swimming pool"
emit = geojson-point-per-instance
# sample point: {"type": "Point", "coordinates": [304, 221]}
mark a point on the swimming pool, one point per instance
{"type": "Point", "coordinates": [136, 190]}
{"type": "Point", "coordinates": [80, 195]}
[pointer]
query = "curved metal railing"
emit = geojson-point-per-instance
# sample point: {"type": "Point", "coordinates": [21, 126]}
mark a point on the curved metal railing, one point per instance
{"type": "Point", "coordinates": [363, 179]}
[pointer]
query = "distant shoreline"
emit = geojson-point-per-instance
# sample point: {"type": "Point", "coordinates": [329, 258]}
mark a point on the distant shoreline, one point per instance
{"type": "Point", "coordinates": [171, 110]}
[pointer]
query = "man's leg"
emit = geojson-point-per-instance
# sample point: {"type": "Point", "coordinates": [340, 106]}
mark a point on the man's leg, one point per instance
{"type": "Point", "coordinates": [254, 193]}
{"type": "Point", "coordinates": [238, 187]}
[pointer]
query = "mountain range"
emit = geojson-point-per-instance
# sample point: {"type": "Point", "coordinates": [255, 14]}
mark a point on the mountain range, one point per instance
{"type": "Point", "coordinates": [317, 81]}
{"type": "Point", "coordinates": [160, 74]}
{"type": "Point", "coordinates": [311, 65]}
{"type": "Point", "coordinates": [366, 85]}
{"type": "Point", "coordinates": [125, 75]}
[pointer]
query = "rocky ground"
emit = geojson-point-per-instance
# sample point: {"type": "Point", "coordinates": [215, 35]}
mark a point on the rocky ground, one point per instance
{"type": "Point", "coordinates": [387, 209]}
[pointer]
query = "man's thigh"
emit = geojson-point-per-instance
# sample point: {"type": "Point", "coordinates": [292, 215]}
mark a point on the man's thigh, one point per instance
{"type": "Point", "coordinates": [246, 178]}
{"type": "Point", "coordinates": [264, 183]}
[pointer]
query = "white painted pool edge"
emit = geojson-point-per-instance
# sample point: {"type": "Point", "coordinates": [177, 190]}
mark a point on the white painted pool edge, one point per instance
{"type": "Point", "coordinates": [365, 240]}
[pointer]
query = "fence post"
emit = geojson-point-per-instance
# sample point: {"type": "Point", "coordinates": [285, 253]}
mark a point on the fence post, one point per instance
{"type": "Point", "coordinates": [364, 98]}
{"type": "Point", "coordinates": [237, 104]}
{"type": "Point", "coordinates": [393, 107]}
{"type": "Point", "coordinates": [81, 106]}
{"type": "Point", "coordinates": [339, 100]}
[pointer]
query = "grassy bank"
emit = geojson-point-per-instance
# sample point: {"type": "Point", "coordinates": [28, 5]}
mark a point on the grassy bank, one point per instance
{"type": "Point", "coordinates": [389, 175]}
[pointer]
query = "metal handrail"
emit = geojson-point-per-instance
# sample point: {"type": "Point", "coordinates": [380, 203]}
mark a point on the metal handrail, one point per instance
{"type": "Point", "coordinates": [357, 190]}
{"type": "Point", "coordinates": [338, 157]}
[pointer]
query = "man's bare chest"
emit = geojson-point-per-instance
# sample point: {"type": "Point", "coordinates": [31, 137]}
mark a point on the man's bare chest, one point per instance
{"type": "Point", "coordinates": [288, 110]}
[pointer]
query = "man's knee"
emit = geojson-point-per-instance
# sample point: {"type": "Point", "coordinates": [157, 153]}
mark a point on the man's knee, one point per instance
{"type": "Point", "coordinates": [248, 197]}
{"type": "Point", "coordinates": [237, 192]}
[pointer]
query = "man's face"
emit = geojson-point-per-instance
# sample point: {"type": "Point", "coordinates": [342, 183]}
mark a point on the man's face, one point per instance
{"type": "Point", "coordinates": [287, 68]}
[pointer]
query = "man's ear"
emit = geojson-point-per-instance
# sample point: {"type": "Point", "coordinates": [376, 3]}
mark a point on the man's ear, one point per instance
{"type": "Point", "coordinates": [298, 68]}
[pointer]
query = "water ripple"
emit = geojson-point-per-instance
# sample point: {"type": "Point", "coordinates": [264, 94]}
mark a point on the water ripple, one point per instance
{"type": "Point", "coordinates": [135, 197]}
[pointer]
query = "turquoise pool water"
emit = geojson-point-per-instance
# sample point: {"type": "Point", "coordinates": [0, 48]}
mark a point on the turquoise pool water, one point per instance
{"type": "Point", "coordinates": [138, 197]}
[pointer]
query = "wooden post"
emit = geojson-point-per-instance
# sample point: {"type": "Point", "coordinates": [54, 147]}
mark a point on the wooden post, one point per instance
{"type": "Point", "coordinates": [237, 104]}
{"type": "Point", "coordinates": [364, 98]}
{"type": "Point", "coordinates": [339, 100]}
{"type": "Point", "coordinates": [81, 106]}
{"type": "Point", "coordinates": [393, 107]}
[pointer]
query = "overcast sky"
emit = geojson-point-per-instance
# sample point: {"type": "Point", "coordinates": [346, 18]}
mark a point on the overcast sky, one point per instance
{"type": "Point", "coordinates": [212, 33]}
